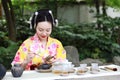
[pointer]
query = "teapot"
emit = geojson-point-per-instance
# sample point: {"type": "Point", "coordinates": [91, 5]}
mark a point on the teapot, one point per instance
{"type": "Point", "coordinates": [44, 66]}
{"type": "Point", "coordinates": [63, 66]}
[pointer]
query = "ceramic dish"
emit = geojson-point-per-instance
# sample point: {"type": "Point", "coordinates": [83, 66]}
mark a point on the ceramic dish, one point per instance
{"type": "Point", "coordinates": [95, 71]}
{"type": "Point", "coordinates": [44, 70]}
{"type": "Point", "coordinates": [81, 72]}
{"type": "Point", "coordinates": [72, 71]}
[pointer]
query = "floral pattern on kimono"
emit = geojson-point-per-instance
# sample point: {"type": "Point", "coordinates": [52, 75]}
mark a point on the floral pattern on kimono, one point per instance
{"type": "Point", "coordinates": [33, 44]}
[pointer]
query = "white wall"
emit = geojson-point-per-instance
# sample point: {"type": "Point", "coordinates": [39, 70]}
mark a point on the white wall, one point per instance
{"type": "Point", "coordinates": [81, 13]}
{"type": "Point", "coordinates": [75, 14]}
{"type": "Point", "coordinates": [68, 14]}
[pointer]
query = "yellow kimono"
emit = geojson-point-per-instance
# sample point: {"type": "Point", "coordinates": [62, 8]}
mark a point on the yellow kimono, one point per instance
{"type": "Point", "coordinates": [33, 44]}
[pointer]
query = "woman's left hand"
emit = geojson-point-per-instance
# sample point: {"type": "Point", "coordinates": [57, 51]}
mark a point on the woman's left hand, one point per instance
{"type": "Point", "coordinates": [49, 59]}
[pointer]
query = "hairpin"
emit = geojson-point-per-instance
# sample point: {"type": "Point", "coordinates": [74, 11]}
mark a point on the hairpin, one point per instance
{"type": "Point", "coordinates": [36, 14]}
{"type": "Point", "coordinates": [56, 22]}
{"type": "Point", "coordinates": [52, 16]}
{"type": "Point", "coordinates": [30, 22]}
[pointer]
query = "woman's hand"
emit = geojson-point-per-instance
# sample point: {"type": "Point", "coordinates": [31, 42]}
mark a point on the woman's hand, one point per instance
{"type": "Point", "coordinates": [49, 59]}
{"type": "Point", "coordinates": [29, 57]}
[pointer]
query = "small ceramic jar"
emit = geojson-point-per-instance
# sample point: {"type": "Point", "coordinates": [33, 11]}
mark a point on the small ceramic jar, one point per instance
{"type": "Point", "coordinates": [17, 70]}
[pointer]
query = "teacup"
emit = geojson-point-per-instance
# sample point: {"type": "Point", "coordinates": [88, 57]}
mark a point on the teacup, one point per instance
{"type": "Point", "coordinates": [94, 67]}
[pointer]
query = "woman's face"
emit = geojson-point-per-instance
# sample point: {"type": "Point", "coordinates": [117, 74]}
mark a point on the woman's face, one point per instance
{"type": "Point", "coordinates": [44, 30]}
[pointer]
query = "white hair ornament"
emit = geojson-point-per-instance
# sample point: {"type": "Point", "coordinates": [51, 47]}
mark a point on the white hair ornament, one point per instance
{"type": "Point", "coordinates": [55, 22]}
{"type": "Point", "coordinates": [36, 14]}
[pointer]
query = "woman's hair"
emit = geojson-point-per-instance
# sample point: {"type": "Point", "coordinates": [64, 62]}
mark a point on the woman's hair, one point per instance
{"type": "Point", "coordinates": [43, 15]}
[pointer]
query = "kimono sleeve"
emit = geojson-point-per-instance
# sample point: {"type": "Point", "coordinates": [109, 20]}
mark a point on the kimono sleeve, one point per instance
{"type": "Point", "coordinates": [61, 53]}
{"type": "Point", "coordinates": [20, 55]}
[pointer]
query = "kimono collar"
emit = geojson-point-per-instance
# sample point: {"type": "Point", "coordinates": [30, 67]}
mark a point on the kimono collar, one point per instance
{"type": "Point", "coordinates": [36, 38]}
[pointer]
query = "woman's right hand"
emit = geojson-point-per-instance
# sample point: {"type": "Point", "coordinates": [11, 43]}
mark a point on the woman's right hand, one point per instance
{"type": "Point", "coordinates": [30, 56]}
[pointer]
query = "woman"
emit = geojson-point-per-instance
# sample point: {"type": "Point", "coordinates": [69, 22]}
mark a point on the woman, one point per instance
{"type": "Point", "coordinates": [38, 48]}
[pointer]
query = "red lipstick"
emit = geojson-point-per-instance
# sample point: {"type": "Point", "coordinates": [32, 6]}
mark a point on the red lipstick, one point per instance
{"type": "Point", "coordinates": [43, 36]}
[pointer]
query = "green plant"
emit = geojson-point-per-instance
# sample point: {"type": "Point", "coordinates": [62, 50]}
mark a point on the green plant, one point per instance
{"type": "Point", "coordinates": [92, 41]}
{"type": "Point", "coordinates": [7, 54]}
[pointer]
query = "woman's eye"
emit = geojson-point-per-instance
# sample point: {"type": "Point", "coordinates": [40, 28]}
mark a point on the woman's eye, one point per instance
{"type": "Point", "coordinates": [48, 30]}
{"type": "Point", "coordinates": [40, 30]}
